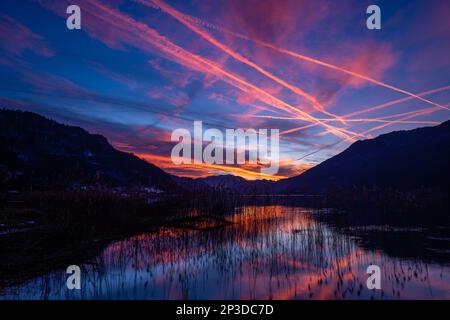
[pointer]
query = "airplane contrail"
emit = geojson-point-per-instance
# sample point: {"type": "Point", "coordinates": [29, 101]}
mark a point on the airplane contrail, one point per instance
{"type": "Point", "coordinates": [302, 57]}
{"type": "Point", "coordinates": [196, 62]}
{"type": "Point", "coordinates": [367, 120]}
{"type": "Point", "coordinates": [407, 115]}
{"type": "Point", "coordinates": [393, 102]}
{"type": "Point", "coordinates": [187, 21]}
{"type": "Point", "coordinates": [167, 163]}
{"type": "Point", "coordinates": [201, 32]}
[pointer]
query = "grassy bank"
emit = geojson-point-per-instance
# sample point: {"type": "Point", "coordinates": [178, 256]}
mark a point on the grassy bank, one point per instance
{"type": "Point", "coordinates": [42, 231]}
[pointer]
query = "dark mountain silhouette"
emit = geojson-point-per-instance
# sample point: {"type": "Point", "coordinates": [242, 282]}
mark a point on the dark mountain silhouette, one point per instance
{"type": "Point", "coordinates": [41, 153]}
{"type": "Point", "coordinates": [238, 185]}
{"type": "Point", "coordinates": [401, 160]}
{"type": "Point", "coordinates": [190, 184]}
{"type": "Point", "coordinates": [227, 183]}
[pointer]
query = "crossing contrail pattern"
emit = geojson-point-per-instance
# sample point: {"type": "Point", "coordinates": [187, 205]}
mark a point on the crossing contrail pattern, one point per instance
{"type": "Point", "coordinates": [185, 17]}
{"type": "Point", "coordinates": [184, 62]}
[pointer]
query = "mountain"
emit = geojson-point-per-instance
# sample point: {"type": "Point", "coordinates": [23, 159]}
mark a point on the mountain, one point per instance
{"type": "Point", "coordinates": [190, 184]}
{"type": "Point", "coordinates": [238, 185]}
{"type": "Point", "coordinates": [227, 183]}
{"type": "Point", "coordinates": [41, 153]}
{"type": "Point", "coordinates": [402, 160]}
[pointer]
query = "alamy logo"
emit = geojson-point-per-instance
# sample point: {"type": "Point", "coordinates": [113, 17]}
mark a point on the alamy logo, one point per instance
{"type": "Point", "coordinates": [74, 20]}
{"type": "Point", "coordinates": [374, 20]}
{"type": "Point", "coordinates": [74, 280]}
{"type": "Point", "coordinates": [374, 280]}
{"type": "Point", "coordinates": [237, 143]}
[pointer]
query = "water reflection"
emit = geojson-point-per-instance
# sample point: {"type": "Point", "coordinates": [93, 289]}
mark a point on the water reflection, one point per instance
{"type": "Point", "coordinates": [269, 252]}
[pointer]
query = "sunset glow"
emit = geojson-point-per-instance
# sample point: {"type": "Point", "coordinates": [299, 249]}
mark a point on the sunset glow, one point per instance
{"type": "Point", "coordinates": [139, 69]}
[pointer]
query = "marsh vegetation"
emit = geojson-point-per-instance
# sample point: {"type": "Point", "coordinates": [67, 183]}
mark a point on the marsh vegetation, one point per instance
{"type": "Point", "coordinates": [267, 251]}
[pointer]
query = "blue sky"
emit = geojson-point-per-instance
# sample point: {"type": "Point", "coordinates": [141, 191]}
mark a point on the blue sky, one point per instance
{"type": "Point", "coordinates": [139, 69]}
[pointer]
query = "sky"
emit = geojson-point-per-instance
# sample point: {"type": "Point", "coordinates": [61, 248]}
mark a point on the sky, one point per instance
{"type": "Point", "coordinates": [139, 69]}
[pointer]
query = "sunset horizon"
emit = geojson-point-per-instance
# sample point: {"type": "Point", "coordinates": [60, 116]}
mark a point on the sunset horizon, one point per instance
{"type": "Point", "coordinates": [239, 66]}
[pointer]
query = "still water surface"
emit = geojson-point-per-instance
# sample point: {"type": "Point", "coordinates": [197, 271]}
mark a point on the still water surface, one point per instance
{"type": "Point", "coordinates": [269, 252]}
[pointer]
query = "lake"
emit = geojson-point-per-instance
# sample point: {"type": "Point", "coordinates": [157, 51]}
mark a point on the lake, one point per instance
{"type": "Point", "coordinates": [268, 252]}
